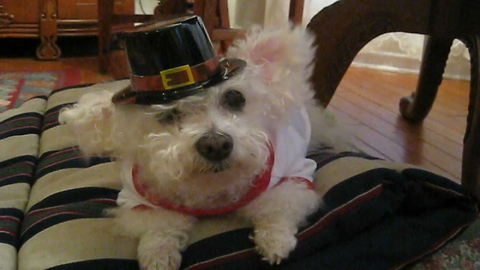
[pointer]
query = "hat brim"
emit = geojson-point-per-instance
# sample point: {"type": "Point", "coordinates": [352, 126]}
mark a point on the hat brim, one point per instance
{"type": "Point", "coordinates": [229, 67]}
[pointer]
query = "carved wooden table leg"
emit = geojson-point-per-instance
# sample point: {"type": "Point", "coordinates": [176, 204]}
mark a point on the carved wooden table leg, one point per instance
{"type": "Point", "coordinates": [435, 54]}
{"type": "Point", "coordinates": [48, 49]}
{"type": "Point", "coordinates": [471, 145]}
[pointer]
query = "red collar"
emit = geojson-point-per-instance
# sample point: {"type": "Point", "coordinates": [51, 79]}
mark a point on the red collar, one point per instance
{"type": "Point", "coordinates": [259, 185]}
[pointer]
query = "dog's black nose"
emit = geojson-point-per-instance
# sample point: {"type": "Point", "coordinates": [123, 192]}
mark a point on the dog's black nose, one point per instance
{"type": "Point", "coordinates": [214, 146]}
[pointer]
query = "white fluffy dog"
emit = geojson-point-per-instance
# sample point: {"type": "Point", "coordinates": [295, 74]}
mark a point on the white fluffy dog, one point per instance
{"type": "Point", "coordinates": [237, 147]}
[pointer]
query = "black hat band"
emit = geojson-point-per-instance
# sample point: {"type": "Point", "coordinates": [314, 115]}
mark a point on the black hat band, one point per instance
{"type": "Point", "coordinates": [177, 77]}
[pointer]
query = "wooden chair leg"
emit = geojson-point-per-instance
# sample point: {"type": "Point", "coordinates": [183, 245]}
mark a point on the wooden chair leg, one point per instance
{"type": "Point", "coordinates": [224, 23]}
{"type": "Point", "coordinates": [295, 13]}
{"type": "Point", "coordinates": [355, 25]}
{"type": "Point", "coordinates": [435, 53]}
{"type": "Point", "coordinates": [471, 144]}
{"type": "Point", "coordinates": [214, 14]}
{"type": "Point", "coordinates": [105, 14]}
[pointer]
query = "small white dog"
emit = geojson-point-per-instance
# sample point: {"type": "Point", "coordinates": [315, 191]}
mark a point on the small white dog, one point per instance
{"type": "Point", "coordinates": [237, 147]}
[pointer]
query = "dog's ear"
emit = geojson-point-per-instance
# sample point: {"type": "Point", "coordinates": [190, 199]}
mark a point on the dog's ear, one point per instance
{"type": "Point", "coordinates": [277, 52]}
{"type": "Point", "coordinates": [279, 59]}
{"type": "Point", "coordinates": [90, 121]}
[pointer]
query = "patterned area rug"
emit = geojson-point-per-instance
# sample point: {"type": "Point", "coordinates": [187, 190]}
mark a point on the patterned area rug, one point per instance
{"type": "Point", "coordinates": [17, 86]}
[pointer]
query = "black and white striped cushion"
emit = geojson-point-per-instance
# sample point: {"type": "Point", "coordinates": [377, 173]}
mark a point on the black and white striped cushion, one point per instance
{"type": "Point", "coordinates": [19, 139]}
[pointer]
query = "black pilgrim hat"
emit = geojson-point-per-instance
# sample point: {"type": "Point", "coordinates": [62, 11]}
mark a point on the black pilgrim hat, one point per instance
{"type": "Point", "coordinates": [170, 60]}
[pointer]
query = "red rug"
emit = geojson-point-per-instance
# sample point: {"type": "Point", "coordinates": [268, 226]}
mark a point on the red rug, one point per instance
{"type": "Point", "coordinates": [17, 86]}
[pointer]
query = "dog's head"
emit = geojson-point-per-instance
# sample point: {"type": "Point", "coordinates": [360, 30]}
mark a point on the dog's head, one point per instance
{"type": "Point", "coordinates": [223, 132]}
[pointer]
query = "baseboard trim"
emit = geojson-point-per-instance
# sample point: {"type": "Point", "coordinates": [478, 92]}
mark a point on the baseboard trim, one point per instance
{"type": "Point", "coordinates": [455, 69]}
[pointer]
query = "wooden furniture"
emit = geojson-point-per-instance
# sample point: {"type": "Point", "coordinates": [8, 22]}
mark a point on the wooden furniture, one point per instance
{"type": "Point", "coordinates": [213, 12]}
{"type": "Point", "coordinates": [215, 16]}
{"type": "Point", "coordinates": [355, 24]}
{"type": "Point", "coordinates": [48, 19]}
{"type": "Point", "coordinates": [108, 19]}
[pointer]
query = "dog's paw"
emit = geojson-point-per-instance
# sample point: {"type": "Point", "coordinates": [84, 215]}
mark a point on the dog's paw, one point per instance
{"type": "Point", "coordinates": [159, 259]}
{"type": "Point", "coordinates": [274, 243]}
{"type": "Point", "coordinates": [159, 252]}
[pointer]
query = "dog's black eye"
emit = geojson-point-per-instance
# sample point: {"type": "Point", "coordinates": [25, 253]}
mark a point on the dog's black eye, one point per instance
{"type": "Point", "coordinates": [233, 100]}
{"type": "Point", "coordinates": [169, 117]}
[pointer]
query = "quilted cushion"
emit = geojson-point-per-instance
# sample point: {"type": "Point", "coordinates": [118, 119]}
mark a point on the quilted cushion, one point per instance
{"type": "Point", "coordinates": [367, 202]}
{"type": "Point", "coordinates": [19, 139]}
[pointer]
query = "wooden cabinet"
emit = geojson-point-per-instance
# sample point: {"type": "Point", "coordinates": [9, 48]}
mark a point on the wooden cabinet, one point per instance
{"type": "Point", "coordinates": [48, 19]}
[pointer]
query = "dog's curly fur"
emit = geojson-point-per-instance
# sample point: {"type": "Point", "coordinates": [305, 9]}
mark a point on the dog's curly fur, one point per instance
{"type": "Point", "coordinates": [161, 138]}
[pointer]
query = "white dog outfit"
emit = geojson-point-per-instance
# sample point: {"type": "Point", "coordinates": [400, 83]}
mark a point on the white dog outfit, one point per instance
{"type": "Point", "coordinates": [287, 162]}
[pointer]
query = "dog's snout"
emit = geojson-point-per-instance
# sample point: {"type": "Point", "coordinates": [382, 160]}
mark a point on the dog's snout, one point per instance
{"type": "Point", "coordinates": [215, 146]}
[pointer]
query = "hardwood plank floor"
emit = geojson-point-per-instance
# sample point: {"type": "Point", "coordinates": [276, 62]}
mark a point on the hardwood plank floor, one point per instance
{"type": "Point", "coordinates": [366, 99]}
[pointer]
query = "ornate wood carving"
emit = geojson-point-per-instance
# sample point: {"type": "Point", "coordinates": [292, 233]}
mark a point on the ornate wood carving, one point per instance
{"type": "Point", "coordinates": [48, 49]}
{"type": "Point", "coordinates": [5, 17]}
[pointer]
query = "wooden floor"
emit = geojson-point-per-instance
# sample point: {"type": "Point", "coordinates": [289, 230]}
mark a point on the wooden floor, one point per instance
{"type": "Point", "coordinates": [368, 101]}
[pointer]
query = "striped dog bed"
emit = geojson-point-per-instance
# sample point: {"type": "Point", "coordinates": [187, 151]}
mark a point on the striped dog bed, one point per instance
{"type": "Point", "coordinates": [377, 214]}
